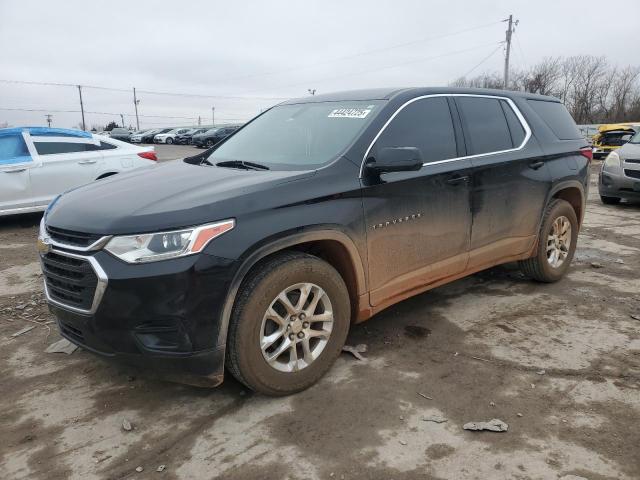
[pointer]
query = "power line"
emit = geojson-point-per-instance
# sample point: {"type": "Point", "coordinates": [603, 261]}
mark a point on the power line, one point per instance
{"type": "Point", "coordinates": [149, 92]}
{"type": "Point", "coordinates": [95, 113]}
{"type": "Point", "coordinates": [484, 60]}
{"type": "Point", "coordinates": [359, 54]}
{"type": "Point", "coordinates": [422, 59]}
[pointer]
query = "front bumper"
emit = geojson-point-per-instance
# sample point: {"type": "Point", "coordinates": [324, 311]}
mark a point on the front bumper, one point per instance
{"type": "Point", "coordinates": [164, 316]}
{"type": "Point", "coordinates": [614, 183]}
{"type": "Point", "coordinates": [159, 140]}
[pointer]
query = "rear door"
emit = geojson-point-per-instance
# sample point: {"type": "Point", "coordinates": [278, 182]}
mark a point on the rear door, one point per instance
{"type": "Point", "coordinates": [510, 179]}
{"type": "Point", "coordinates": [65, 163]}
{"type": "Point", "coordinates": [418, 223]}
{"type": "Point", "coordinates": [16, 162]}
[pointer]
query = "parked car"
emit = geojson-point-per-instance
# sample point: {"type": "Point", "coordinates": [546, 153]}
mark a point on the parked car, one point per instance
{"type": "Point", "coordinates": [148, 137]}
{"type": "Point", "coordinates": [36, 164]}
{"type": "Point", "coordinates": [169, 136]}
{"type": "Point", "coordinates": [611, 137]}
{"type": "Point", "coordinates": [185, 138]}
{"type": "Point", "coordinates": [260, 253]}
{"type": "Point", "coordinates": [121, 134]}
{"type": "Point", "coordinates": [620, 173]}
{"type": "Point", "coordinates": [211, 137]}
{"type": "Point", "coordinates": [137, 137]}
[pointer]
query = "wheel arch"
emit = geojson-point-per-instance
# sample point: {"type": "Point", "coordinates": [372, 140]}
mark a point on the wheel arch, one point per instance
{"type": "Point", "coordinates": [333, 246]}
{"type": "Point", "coordinates": [572, 192]}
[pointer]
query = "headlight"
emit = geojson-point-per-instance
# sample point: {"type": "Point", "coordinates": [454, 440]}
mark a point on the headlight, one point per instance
{"type": "Point", "coordinates": [151, 247]}
{"type": "Point", "coordinates": [612, 160]}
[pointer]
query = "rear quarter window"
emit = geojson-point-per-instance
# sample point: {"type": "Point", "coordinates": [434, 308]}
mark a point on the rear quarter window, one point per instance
{"type": "Point", "coordinates": [557, 118]}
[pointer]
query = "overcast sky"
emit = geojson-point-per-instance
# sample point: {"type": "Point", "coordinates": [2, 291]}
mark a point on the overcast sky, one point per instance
{"type": "Point", "coordinates": [265, 51]}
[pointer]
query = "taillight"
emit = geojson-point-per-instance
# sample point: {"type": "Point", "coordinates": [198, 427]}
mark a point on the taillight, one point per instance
{"type": "Point", "coordinates": [587, 152]}
{"type": "Point", "coordinates": [149, 156]}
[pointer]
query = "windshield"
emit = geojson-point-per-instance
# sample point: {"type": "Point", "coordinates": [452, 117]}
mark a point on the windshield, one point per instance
{"type": "Point", "coordinates": [301, 136]}
{"type": "Point", "coordinates": [212, 130]}
{"type": "Point", "coordinates": [635, 138]}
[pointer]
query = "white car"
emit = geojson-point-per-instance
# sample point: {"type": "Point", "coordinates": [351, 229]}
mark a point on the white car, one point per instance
{"type": "Point", "coordinates": [170, 136]}
{"type": "Point", "coordinates": [38, 163]}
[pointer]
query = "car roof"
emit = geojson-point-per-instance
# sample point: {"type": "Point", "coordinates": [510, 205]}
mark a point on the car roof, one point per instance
{"type": "Point", "coordinates": [390, 93]}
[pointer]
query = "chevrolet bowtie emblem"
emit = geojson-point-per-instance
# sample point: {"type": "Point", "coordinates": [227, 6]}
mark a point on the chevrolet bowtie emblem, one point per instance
{"type": "Point", "coordinates": [43, 245]}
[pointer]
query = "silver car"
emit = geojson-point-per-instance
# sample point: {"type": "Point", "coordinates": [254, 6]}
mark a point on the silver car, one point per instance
{"type": "Point", "coordinates": [620, 173]}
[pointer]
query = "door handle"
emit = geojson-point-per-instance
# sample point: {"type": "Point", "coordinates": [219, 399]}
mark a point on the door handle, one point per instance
{"type": "Point", "coordinates": [86, 162]}
{"type": "Point", "coordinates": [536, 165]}
{"type": "Point", "coordinates": [458, 180]}
{"type": "Point", "coordinates": [15, 170]}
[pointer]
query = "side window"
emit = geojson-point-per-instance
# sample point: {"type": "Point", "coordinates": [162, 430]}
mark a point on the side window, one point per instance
{"type": "Point", "coordinates": [486, 126]}
{"type": "Point", "coordinates": [50, 148]}
{"type": "Point", "coordinates": [515, 127]}
{"type": "Point", "coordinates": [557, 118]}
{"type": "Point", "coordinates": [425, 124]}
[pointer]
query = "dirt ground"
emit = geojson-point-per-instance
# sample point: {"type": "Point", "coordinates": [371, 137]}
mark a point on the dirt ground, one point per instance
{"type": "Point", "coordinates": [559, 363]}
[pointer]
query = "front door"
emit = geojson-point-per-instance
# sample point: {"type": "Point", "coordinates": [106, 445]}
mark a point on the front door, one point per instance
{"type": "Point", "coordinates": [418, 223]}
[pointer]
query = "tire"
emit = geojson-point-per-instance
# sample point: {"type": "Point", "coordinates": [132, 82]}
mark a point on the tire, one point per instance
{"type": "Point", "coordinates": [209, 143]}
{"type": "Point", "coordinates": [169, 141]}
{"type": "Point", "coordinates": [245, 358]}
{"type": "Point", "coordinates": [609, 200]}
{"type": "Point", "coordinates": [540, 267]}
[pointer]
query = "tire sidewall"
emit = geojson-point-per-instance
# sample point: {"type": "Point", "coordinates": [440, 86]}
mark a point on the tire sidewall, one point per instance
{"type": "Point", "coordinates": [254, 368]}
{"type": "Point", "coordinates": [559, 209]}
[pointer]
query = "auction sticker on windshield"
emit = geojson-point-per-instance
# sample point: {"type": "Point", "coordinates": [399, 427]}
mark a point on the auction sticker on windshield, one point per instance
{"type": "Point", "coordinates": [349, 113]}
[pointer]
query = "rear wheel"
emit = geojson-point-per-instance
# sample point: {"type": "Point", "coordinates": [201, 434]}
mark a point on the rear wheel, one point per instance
{"type": "Point", "coordinates": [169, 141]}
{"type": "Point", "coordinates": [209, 143]}
{"type": "Point", "coordinates": [609, 200]}
{"type": "Point", "coordinates": [289, 324]}
{"type": "Point", "coordinates": [556, 244]}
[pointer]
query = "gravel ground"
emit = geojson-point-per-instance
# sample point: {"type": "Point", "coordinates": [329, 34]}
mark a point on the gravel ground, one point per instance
{"type": "Point", "coordinates": [560, 364]}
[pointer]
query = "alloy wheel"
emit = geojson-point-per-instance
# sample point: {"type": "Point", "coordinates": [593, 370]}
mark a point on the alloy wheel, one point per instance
{"type": "Point", "coordinates": [559, 241]}
{"type": "Point", "coordinates": [296, 327]}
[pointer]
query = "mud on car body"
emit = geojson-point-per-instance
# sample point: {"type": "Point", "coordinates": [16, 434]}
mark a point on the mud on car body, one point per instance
{"type": "Point", "coordinates": [259, 253]}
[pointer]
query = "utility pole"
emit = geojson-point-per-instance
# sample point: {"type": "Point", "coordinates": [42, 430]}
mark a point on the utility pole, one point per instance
{"type": "Point", "coordinates": [509, 32]}
{"type": "Point", "coordinates": [48, 115]}
{"type": "Point", "coordinates": [122, 118]}
{"type": "Point", "coordinates": [199, 120]}
{"type": "Point", "coordinates": [81, 106]}
{"type": "Point", "coordinates": [213, 115]}
{"type": "Point", "coordinates": [136, 102]}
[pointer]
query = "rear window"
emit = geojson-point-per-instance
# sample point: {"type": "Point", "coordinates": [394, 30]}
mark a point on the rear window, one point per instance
{"type": "Point", "coordinates": [557, 118]}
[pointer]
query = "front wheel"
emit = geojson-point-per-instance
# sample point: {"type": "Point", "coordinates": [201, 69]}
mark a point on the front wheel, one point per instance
{"type": "Point", "coordinates": [289, 324]}
{"type": "Point", "coordinates": [556, 244]}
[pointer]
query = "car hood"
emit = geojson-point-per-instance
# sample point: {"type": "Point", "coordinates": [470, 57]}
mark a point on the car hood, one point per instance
{"type": "Point", "coordinates": [630, 151]}
{"type": "Point", "coordinates": [165, 196]}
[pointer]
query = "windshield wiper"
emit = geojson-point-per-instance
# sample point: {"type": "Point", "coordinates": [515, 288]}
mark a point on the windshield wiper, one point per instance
{"type": "Point", "coordinates": [242, 164]}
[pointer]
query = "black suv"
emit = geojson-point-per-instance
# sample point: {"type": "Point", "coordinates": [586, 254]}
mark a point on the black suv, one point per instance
{"type": "Point", "coordinates": [185, 138]}
{"type": "Point", "coordinates": [259, 254]}
{"type": "Point", "coordinates": [213, 136]}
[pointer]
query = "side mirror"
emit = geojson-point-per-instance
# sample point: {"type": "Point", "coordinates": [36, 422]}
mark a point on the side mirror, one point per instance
{"type": "Point", "coordinates": [395, 159]}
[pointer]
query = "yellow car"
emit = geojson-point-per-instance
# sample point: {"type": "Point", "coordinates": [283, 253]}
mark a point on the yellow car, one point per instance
{"type": "Point", "coordinates": [612, 136]}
